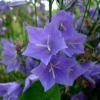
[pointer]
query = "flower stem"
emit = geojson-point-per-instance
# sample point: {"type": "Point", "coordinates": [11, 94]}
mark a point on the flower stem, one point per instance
{"type": "Point", "coordinates": [61, 4]}
{"type": "Point", "coordinates": [50, 10]}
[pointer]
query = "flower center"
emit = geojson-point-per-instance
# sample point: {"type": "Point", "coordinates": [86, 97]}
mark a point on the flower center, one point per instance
{"type": "Point", "coordinates": [70, 70]}
{"type": "Point", "coordinates": [51, 68]}
{"type": "Point", "coordinates": [72, 43]}
{"type": "Point", "coordinates": [45, 45]}
{"type": "Point", "coordinates": [91, 67]}
{"type": "Point", "coordinates": [62, 27]}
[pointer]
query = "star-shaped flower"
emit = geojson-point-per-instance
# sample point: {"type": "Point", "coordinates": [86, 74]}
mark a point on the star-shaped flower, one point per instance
{"type": "Point", "coordinates": [10, 91]}
{"type": "Point", "coordinates": [11, 59]}
{"type": "Point", "coordinates": [44, 42]}
{"type": "Point", "coordinates": [56, 71]}
{"type": "Point", "coordinates": [64, 22]}
{"type": "Point", "coordinates": [75, 44]}
{"type": "Point", "coordinates": [92, 71]}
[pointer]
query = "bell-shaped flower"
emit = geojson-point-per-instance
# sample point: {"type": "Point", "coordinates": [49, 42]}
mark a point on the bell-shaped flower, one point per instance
{"type": "Point", "coordinates": [92, 70]}
{"type": "Point", "coordinates": [57, 71]}
{"type": "Point", "coordinates": [11, 59]}
{"type": "Point", "coordinates": [18, 3]}
{"type": "Point", "coordinates": [93, 12]}
{"type": "Point", "coordinates": [10, 91]}
{"type": "Point", "coordinates": [79, 96]}
{"type": "Point", "coordinates": [4, 7]}
{"type": "Point", "coordinates": [44, 42]}
{"type": "Point", "coordinates": [75, 44]}
{"type": "Point", "coordinates": [64, 23]}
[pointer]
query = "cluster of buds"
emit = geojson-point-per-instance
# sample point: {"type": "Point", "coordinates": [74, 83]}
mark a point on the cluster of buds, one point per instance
{"type": "Point", "coordinates": [19, 45]}
{"type": "Point", "coordinates": [87, 23]}
{"type": "Point", "coordinates": [85, 56]}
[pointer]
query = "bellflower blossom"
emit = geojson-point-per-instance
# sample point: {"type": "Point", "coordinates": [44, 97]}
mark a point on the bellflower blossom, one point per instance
{"type": "Point", "coordinates": [10, 91]}
{"type": "Point", "coordinates": [92, 70]}
{"type": "Point", "coordinates": [60, 70]}
{"type": "Point", "coordinates": [64, 23]}
{"type": "Point", "coordinates": [44, 42]}
{"type": "Point", "coordinates": [3, 30]}
{"type": "Point", "coordinates": [79, 96]}
{"type": "Point", "coordinates": [17, 3]}
{"type": "Point", "coordinates": [75, 44]}
{"type": "Point", "coordinates": [92, 11]}
{"type": "Point", "coordinates": [1, 21]}
{"type": "Point", "coordinates": [78, 23]}
{"type": "Point", "coordinates": [11, 60]}
{"type": "Point", "coordinates": [39, 22]}
{"type": "Point", "coordinates": [70, 5]}
{"type": "Point", "coordinates": [3, 7]}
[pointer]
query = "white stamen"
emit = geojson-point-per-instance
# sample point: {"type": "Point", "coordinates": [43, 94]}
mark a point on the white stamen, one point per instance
{"type": "Point", "coordinates": [52, 66]}
{"type": "Point", "coordinates": [13, 58]}
{"type": "Point", "coordinates": [41, 45]}
{"type": "Point", "coordinates": [48, 40]}
{"type": "Point", "coordinates": [57, 63]}
{"type": "Point", "coordinates": [53, 72]}
{"type": "Point", "coordinates": [77, 43]}
{"type": "Point", "coordinates": [70, 69]}
{"type": "Point", "coordinates": [5, 94]}
{"type": "Point", "coordinates": [63, 26]}
{"type": "Point", "coordinates": [72, 45]}
{"type": "Point", "coordinates": [48, 43]}
{"type": "Point", "coordinates": [8, 98]}
{"type": "Point", "coordinates": [91, 67]}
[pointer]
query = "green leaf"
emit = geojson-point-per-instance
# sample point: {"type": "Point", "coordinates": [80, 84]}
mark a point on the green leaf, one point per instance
{"type": "Point", "coordinates": [88, 45]}
{"type": "Point", "coordinates": [36, 92]}
{"type": "Point", "coordinates": [52, 94]}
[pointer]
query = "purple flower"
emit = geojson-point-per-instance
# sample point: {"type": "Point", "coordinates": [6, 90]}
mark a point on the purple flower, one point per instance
{"type": "Point", "coordinates": [1, 21]}
{"type": "Point", "coordinates": [74, 72]}
{"type": "Point", "coordinates": [75, 44]}
{"type": "Point", "coordinates": [79, 96]}
{"type": "Point", "coordinates": [30, 64]}
{"type": "Point", "coordinates": [91, 13]}
{"type": "Point", "coordinates": [41, 7]}
{"type": "Point", "coordinates": [3, 7]}
{"type": "Point", "coordinates": [98, 46]}
{"type": "Point", "coordinates": [10, 91]}
{"type": "Point", "coordinates": [44, 42]}
{"type": "Point", "coordinates": [81, 8]}
{"type": "Point", "coordinates": [39, 22]}
{"type": "Point", "coordinates": [92, 70]}
{"type": "Point", "coordinates": [98, 36]}
{"type": "Point", "coordinates": [29, 81]}
{"type": "Point", "coordinates": [30, 9]}
{"type": "Point", "coordinates": [78, 23]}
{"type": "Point", "coordinates": [11, 60]}
{"type": "Point", "coordinates": [17, 3]}
{"type": "Point", "coordinates": [64, 22]}
{"type": "Point", "coordinates": [3, 30]}
{"type": "Point", "coordinates": [59, 70]}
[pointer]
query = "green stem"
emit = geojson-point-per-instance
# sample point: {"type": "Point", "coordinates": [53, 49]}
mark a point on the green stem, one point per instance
{"type": "Point", "coordinates": [50, 10]}
{"type": "Point", "coordinates": [35, 14]}
{"type": "Point", "coordinates": [34, 4]}
{"type": "Point", "coordinates": [61, 3]}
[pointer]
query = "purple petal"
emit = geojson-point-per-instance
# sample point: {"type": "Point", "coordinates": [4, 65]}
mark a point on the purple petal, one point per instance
{"type": "Point", "coordinates": [29, 81]}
